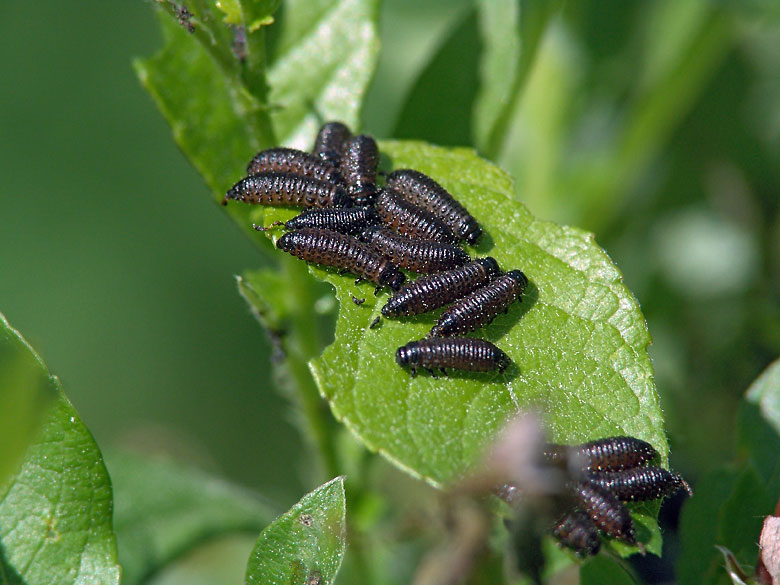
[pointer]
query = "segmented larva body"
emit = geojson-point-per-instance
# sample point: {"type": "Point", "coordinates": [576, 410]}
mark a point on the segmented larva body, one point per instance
{"type": "Point", "coordinates": [459, 353]}
{"type": "Point", "coordinates": [351, 220]}
{"type": "Point", "coordinates": [436, 290]}
{"type": "Point", "coordinates": [608, 454]}
{"type": "Point", "coordinates": [290, 160]}
{"type": "Point", "coordinates": [424, 192]}
{"type": "Point", "coordinates": [605, 510]}
{"type": "Point", "coordinates": [330, 248]}
{"type": "Point", "coordinates": [329, 145]}
{"type": "Point", "coordinates": [410, 220]}
{"type": "Point", "coordinates": [287, 189]}
{"type": "Point", "coordinates": [642, 483]}
{"type": "Point", "coordinates": [576, 531]}
{"type": "Point", "coordinates": [481, 307]}
{"type": "Point", "coordinates": [415, 255]}
{"type": "Point", "coordinates": [358, 167]}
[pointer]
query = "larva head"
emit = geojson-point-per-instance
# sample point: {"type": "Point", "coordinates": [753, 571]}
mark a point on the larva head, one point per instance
{"type": "Point", "coordinates": [472, 232]}
{"type": "Point", "coordinates": [286, 242]}
{"type": "Point", "coordinates": [503, 361]}
{"type": "Point", "coordinates": [490, 265]}
{"type": "Point", "coordinates": [521, 280]}
{"type": "Point", "coordinates": [404, 356]}
{"type": "Point", "coordinates": [390, 276]}
{"type": "Point", "coordinates": [340, 198]}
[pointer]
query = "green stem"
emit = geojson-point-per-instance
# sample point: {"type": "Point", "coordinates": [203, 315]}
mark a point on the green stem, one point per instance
{"type": "Point", "coordinates": [301, 346]}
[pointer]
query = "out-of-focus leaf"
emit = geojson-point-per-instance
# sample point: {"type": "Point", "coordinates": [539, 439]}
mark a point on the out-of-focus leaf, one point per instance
{"type": "Point", "coordinates": [55, 512]}
{"type": "Point", "coordinates": [26, 390]}
{"type": "Point", "coordinates": [765, 392]}
{"type": "Point", "coordinates": [742, 515]}
{"type": "Point", "coordinates": [730, 505]}
{"type": "Point", "coordinates": [412, 32]}
{"type": "Point", "coordinates": [163, 509]}
{"type": "Point", "coordinates": [325, 57]}
{"type": "Point", "coordinates": [232, 10]}
{"type": "Point", "coordinates": [449, 81]}
{"type": "Point", "coordinates": [602, 569]}
{"type": "Point", "coordinates": [699, 561]}
{"type": "Point", "coordinates": [576, 154]}
{"type": "Point", "coordinates": [511, 31]}
{"type": "Point", "coordinates": [305, 542]}
{"type": "Point", "coordinates": [578, 343]}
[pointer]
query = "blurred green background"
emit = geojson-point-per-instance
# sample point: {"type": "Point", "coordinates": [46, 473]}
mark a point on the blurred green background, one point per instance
{"type": "Point", "coordinates": [116, 264]}
{"type": "Point", "coordinates": [655, 125]}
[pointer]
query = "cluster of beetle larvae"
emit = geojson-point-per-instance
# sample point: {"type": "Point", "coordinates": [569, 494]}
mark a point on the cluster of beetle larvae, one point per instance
{"type": "Point", "coordinates": [413, 223]}
{"type": "Point", "coordinates": [603, 474]}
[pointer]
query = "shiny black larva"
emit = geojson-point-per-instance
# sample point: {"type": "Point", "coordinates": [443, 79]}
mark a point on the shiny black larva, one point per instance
{"type": "Point", "coordinates": [415, 255]}
{"type": "Point", "coordinates": [436, 290]}
{"type": "Point", "coordinates": [424, 192]}
{"type": "Point", "coordinates": [608, 454]}
{"type": "Point", "coordinates": [578, 532]}
{"type": "Point", "coordinates": [329, 145]}
{"type": "Point", "coordinates": [482, 306]}
{"type": "Point", "coordinates": [351, 220]}
{"type": "Point", "coordinates": [287, 189]}
{"type": "Point", "coordinates": [330, 248]}
{"type": "Point", "coordinates": [640, 484]}
{"type": "Point", "coordinates": [290, 160]}
{"type": "Point", "coordinates": [411, 220]}
{"type": "Point", "coordinates": [605, 510]}
{"type": "Point", "coordinates": [358, 167]}
{"type": "Point", "coordinates": [459, 353]}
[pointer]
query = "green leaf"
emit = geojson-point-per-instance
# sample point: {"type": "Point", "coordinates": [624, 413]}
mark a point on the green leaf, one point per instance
{"type": "Point", "coordinates": [55, 512]}
{"type": "Point", "coordinates": [26, 390]}
{"type": "Point", "coordinates": [511, 31]}
{"type": "Point", "coordinates": [307, 540]}
{"type": "Point", "coordinates": [232, 10]}
{"type": "Point", "coordinates": [578, 343]}
{"type": "Point", "coordinates": [164, 509]}
{"type": "Point", "coordinates": [602, 569]}
{"type": "Point", "coordinates": [450, 81]}
{"type": "Point", "coordinates": [699, 561]}
{"type": "Point", "coordinates": [730, 504]}
{"type": "Point", "coordinates": [765, 392]}
{"type": "Point", "coordinates": [326, 55]}
{"type": "Point", "coordinates": [214, 118]}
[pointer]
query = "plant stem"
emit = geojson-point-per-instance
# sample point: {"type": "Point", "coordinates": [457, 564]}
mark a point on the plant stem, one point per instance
{"type": "Point", "coordinates": [302, 345]}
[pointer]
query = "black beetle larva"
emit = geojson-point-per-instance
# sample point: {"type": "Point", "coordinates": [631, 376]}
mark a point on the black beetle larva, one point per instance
{"type": "Point", "coordinates": [576, 531]}
{"type": "Point", "coordinates": [605, 510]}
{"type": "Point", "coordinates": [642, 483]}
{"type": "Point", "coordinates": [459, 353]}
{"type": "Point", "coordinates": [608, 454]}
{"type": "Point", "coordinates": [331, 248]}
{"type": "Point", "coordinates": [290, 160]}
{"type": "Point", "coordinates": [424, 192]}
{"type": "Point", "coordinates": [481, 307]}
{"type": "Point", "coordinates": [358, 167]}
{"type": "Point", "coordinates": [276, 188]}
{"type": "Point", "coordinates": [351, 220]}
{"type": "Point", "coordinates": [415, 255]}
{"type": "Point", "coordinates": [410, 220]}
{"type": "Point", "coordinates": [436, 290]}
{"type": "Point", "coordinates": [329, 145]}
